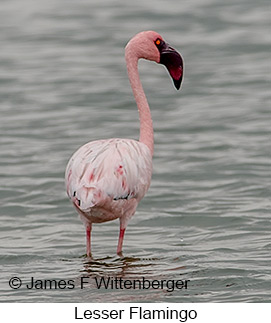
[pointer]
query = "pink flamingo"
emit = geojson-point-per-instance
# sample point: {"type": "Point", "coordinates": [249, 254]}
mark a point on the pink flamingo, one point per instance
{"type": "Point", "coordinates": [106, 179]}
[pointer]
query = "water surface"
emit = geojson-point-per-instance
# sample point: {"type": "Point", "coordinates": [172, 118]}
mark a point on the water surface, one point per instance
{"type": "Point", "coordinates": [206, 217]}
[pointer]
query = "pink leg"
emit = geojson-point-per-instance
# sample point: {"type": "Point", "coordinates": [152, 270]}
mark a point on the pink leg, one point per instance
{"type": "Point", "coordinates": [88, 232]}
{"type": "Point", "coordinates": [121, 236]}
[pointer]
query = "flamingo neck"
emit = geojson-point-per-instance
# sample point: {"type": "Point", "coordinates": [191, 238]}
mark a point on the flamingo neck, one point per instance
{"type": "Point", "coordinates": [146, 128]}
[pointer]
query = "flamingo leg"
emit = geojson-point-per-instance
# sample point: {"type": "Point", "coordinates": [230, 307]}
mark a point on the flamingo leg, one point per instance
{"type": "Point", "coordinates": [121, 236]}
{"type": "Point", "coordinates": [88, 239]}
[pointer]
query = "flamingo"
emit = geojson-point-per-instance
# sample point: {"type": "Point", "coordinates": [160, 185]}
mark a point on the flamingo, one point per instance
{"type": "Point", "coordinates": [106, 179]}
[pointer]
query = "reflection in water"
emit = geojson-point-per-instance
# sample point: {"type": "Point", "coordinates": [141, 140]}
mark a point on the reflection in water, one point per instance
{"type": "Point", "coordinates": [121, 278]}
{"type": "Point", "coordinates": [131, 279]}
{"type": "Point", "coordinates": [116, 266]}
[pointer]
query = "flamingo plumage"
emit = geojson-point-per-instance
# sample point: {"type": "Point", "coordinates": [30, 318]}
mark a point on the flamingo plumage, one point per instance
{"type": "Point", "coordinates": [106, 179]}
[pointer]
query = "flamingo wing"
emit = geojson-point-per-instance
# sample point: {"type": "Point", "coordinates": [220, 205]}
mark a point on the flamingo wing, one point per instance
{"type": "Point", "coordinates": [115, 169]}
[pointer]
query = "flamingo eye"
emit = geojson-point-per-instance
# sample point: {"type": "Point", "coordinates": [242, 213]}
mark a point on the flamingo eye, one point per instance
{"type": "Point", "coordinates": [158, 42]}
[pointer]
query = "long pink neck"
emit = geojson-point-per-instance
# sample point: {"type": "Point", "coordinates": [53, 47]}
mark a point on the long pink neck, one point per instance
{"type": "Point", "coordinates": [146, 128]}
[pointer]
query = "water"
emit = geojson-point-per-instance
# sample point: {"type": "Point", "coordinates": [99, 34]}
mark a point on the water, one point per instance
{"type": "Point", "coordinates": [206, 217]}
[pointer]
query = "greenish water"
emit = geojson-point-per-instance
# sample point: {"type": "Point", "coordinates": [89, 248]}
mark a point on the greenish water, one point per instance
{"type": "Point", "coordinates": [206, 217]}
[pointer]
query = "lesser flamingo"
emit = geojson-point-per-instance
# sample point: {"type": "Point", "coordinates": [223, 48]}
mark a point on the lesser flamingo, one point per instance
{"type": "Point", "coordinates": [106, 179]}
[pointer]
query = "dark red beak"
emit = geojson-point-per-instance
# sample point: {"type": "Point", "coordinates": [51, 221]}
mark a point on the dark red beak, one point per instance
{"type": "Point", "coordinates": [173, 62]}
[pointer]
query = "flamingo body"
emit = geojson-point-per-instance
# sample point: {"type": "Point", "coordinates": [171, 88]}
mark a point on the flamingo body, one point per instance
{"type": "Point", "coordinates": [106, 179]}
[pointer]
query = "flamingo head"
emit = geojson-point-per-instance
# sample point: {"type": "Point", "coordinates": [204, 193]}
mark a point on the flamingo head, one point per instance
{"type": "Point", "coordinates": [151, 46]}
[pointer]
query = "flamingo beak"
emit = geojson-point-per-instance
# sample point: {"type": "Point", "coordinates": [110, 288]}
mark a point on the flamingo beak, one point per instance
{"type": "Point", "coordinates": [173, 62]}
